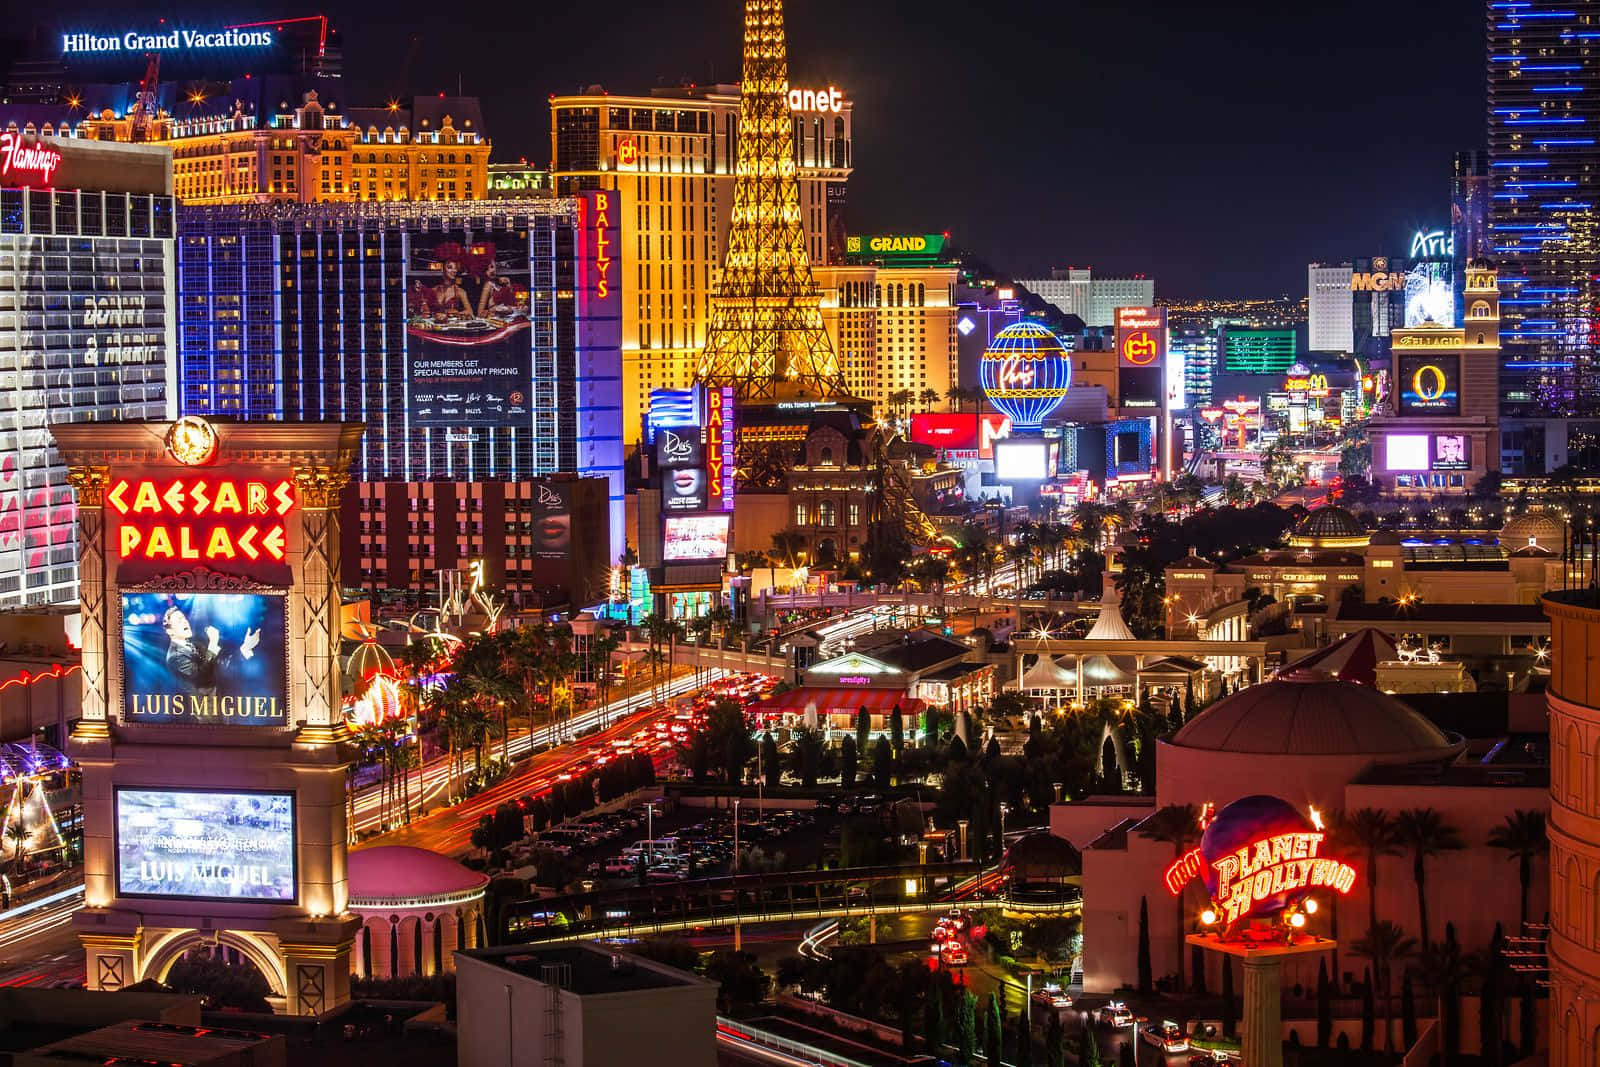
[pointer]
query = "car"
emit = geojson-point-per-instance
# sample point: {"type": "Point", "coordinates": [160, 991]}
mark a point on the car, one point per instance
{"type": "Point", "coordinates": [1114, 1014]}
{"type": "Point", "coordinates": [955, 954]}
{"type": "Point", "coordinates": [1167, 1036]}
{"type": "Point", "coordinates": [1052, 996]}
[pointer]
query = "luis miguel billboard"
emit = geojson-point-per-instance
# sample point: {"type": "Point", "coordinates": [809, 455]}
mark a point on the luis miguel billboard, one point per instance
{"type": "Point", "coordinates": [204, 659]}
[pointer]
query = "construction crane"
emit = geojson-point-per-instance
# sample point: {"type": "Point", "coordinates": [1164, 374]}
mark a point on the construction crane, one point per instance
{"type": "Point", "coordinates": [144, 104]}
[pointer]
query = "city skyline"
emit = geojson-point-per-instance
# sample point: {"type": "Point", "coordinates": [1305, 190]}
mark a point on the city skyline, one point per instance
{"type": "Point", "coordinates": [1040, 168]}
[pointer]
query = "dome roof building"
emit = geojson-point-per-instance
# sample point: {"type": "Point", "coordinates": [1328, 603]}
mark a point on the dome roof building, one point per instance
{"type": "Point", "coordinates": [1536, 530]}
{"type": "Point", "coordinates": [1025, 372]}
{"type": "Point", "coordinates": [417, 908]}
{"type": "Point", "coordinates": [1311, 733]}
{"type": "Point", "coordinates": [1329, 527]}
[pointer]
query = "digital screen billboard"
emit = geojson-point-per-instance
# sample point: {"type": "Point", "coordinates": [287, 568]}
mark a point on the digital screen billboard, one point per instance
{"type": "Point", "coordinates": [694, 538]}
{"type": "Point", "coordinates": [953, 432]}
{"type": "Point", "coordinates": [1430, 385]}
{"type": "Point", "coordinates": [1430, 293]}
{"type": "Point", "coordinates": [1141, 337]}
{"type": "Point", "coordinates": [204, 659]}
{"type": "Point", "coordinates": [680, 449]}
{"type": "Point", "coordinates": [205, 845]}
{"type": "Point", "coordinates": [684, 490]}
{"type": "Point", "coordinates": [1405, 452]}
{"type": "Point", "coordinates": [552, 521]}
{"type": "Point", "coordinates": [1451, 452]}
{"type": "Point", "coordinates": [1022, 460]}
{"type": "Point", "coordinates": [468, 334]}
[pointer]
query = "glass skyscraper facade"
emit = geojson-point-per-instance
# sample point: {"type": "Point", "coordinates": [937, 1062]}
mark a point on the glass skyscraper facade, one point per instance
{"type": "Point", "coordinates": [380, 313]}
{"type": "Point", "coordinates": [85, 320]}
{"type": "Point", "coordinates": [1544, 175]}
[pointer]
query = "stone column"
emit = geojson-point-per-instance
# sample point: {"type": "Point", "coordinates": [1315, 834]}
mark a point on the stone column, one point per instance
{"type": "Point", "coordinates": [90, 483]}
{"type": "Point", "coordinates": [1262, 1030]}
{"type": "Point", "coordinates": [319, 592]}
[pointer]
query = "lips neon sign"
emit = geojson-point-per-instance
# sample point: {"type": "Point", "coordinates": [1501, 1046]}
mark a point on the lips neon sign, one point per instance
{"type": "Point", "coordinates": [202, 519]}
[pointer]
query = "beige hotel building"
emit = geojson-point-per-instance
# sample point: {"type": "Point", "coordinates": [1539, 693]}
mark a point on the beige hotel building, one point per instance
{"type": "Point", "coordinates": [671, 155]}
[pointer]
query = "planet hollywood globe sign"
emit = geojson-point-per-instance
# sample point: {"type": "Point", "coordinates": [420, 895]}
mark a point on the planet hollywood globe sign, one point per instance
{"type": "Point", "coordinates": [1026, 372]}
{"type": "Point", "coordinates": [1261, 859]}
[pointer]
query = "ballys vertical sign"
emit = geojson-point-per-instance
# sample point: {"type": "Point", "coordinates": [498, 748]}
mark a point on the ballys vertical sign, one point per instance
{"type": "Point", "coordinates": [719, 448]}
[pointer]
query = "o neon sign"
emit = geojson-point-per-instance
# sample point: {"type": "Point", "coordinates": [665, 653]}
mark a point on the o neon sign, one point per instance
{"type": "Point", "coordinates": [1438, 382]}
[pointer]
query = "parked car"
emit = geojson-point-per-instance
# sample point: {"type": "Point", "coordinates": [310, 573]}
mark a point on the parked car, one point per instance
{"type": "Point", "coordinates": [1115, 1014]}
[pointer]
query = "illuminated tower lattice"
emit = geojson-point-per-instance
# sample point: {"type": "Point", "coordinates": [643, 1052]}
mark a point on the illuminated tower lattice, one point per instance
{"type": "Point", "coordinates": [766, 331]}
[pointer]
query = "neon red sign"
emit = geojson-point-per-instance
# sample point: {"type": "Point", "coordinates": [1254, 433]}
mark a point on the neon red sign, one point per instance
{"type": "Point", "coordinates": [202, 519]}
{"type": "Point", "coordinates": [24, 160]}
{"type": "Point", "coordinates": [602, 261]}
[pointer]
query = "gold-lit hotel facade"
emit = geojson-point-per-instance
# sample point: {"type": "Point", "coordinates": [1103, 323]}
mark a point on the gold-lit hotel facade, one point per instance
{"type": "Point", "coordinates": [672, 155]}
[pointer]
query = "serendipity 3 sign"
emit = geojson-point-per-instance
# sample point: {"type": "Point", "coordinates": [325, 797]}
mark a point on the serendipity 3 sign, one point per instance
{"type": "Point", "coordinates": [1260, 858]}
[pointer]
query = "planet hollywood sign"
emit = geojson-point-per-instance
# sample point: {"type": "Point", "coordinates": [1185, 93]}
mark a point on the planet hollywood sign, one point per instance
{"type": "Point", "coordinates": [1259, 858]}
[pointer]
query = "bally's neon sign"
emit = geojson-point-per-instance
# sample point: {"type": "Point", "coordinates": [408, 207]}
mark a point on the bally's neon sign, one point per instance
{"type": "Point", "coordinates": [24, 160]}
{"type": "Point", "coordinates": [1264, 870]}
{"type": "Point", "coordinates": [201, 519]}
{"type": "Point", "coordinates": [602, 261]}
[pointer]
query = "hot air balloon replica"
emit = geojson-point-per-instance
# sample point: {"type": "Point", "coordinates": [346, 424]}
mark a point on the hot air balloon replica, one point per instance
{"type": "Point", "coordinates": [1026, 372]}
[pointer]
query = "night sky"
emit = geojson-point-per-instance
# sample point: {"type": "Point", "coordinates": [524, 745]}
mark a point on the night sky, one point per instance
{"type": "Point", "coordinates": [1217, 147]}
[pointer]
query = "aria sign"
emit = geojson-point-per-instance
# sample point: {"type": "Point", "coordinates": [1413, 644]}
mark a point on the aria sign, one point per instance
{"type": "Point", "coordinates": [166, 41]}
{"type": "Point", "coordinates": [26, 164]}
{"type": "Point", "coordinates": [1260, 858]}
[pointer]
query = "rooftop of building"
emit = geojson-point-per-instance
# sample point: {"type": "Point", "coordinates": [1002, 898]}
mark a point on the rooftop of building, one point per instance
{"type": "Point", "coordinates": [395, 873]}
{"type": "Point", "coordinates": [584, 969]}
{"type": "Point", "coordinates": [1425, 612]}
{"type": "Point", "coordinates": [135, 1041]}
{"type": "Point", "coordinates": [911, 651]}
{"type": "Point", "coordinates": [1456, 775]}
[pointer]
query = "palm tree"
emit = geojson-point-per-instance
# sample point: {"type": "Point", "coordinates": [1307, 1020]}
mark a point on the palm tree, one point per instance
{"type": "Point", "coordinates": [957, 396]}
{"type": "Point", "coordinates": [1385, 944]}
{"type": "Point", "coordinates": [788, 544]}
{"type": "Point", "coordinates": [1179, 826]}
{"type": "Point", "coordinates": [17, 834]}
{"type": "Point", "coordinates": [1444, 967]}
{"type": "Point", "coordinates": [1425, 833]}
{"type": "Point", "coordinates": [1523, 838]}
{"type": "Point", "coordinates": [1371, 830]}
{"type": "Point", "coordinates": [928, 398]}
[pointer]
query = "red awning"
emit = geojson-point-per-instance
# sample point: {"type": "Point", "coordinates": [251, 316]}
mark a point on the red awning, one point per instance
{"type": "Point", "coordinates": [839, 702]}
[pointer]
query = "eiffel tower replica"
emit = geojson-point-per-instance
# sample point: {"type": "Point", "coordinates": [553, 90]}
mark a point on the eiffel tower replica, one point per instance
{"type": "Point", "coordinates": [766, 339]}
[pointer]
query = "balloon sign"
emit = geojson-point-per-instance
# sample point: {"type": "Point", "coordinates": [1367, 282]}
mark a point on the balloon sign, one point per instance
{"type": "Point", "coordinates": [1026, 372]}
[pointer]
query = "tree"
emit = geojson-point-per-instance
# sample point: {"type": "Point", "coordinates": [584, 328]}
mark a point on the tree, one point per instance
{"type": "Point", "coordinates": [1425, 833]}
{"type": "Point", "coordinates": [1179, 826]}
{"type": "Point", "coordinates": [1408, 1012]}
{"type": "Point", "coordinates": [1025, 1041]}
{"type": "Point", "coordinates": [1370, 830]}
{"type": "Point", "coordinates": [1110, 773]}
{"type": "Point", "coordinates": [933, 1016]}
{"type": "Point", "coordinates": [808, 752]}
{"type": "Point", "coordinates": [993, 1032]}
{"type": "Point", "coordinates": [1444, 967]}
{"type": "Point", "coordinates": [966, 1027]}
{"type": "Point", "coordinates": [771, 766]}
{"type": "Point", "coordinates": [847, 762]}
{"type": "Point", "coordinates": [1324, 1005]}
{"type": "Point", "coordinates": [1054, 1054]}
{"type": "Point", "coordinates": [1383, 946]}
{"type": "Point", "coordinates": [863, 728]}
{"type": "Point", "coordinates": [1089, 1048]}
{"type": "Point", "coordinates": [882, 763]}
{"type": "Point", "coordinates": [789, 545]}
{"type": "Point", "coordinates": [897, 730]}
{"type": "Point", "coordinates": [1127, 1056]}
{"type": "Point", "coordinates": [1522, 837]}
{"type": "Point", "coordinates": [1492, 1000]}
{"type": "Point", "coordinates": [1146, 980]}
{"type": "Point", "coordinates": [1368, 1013]}
{"type": "Point", "coordinates": [1229, 1008]}
{"type": "Point", "coordinates": [220, 983]}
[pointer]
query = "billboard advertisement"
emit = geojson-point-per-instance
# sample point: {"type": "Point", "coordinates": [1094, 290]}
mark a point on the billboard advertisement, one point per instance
{"type": "Point", "coordinates": [1451, 452]}
{"type": "Point", "coordinates": [205, 845]}
{"type": "Point", "coordinates": [694, 538]}
{"type": "Point", "coordinates": [1430, 293]}
{"type": "Point", "coordinates": [204, 659]}
{"type": "Point", "coordinates": [469, 341]}
{"type": "Point", "coordinates": [1405, 452]}
{"type": "Point", "coordinates": [552, 521]}
{"type": "Point", "coordinates": [680, 449]}
{"type": "Point", "coordinates": [1430, 385]}
{"type": "Point", "coordinates": [1030, 460]}
{"type": "Point", "coordinates": [961, 433]}
{"type": "Point", "coordinates": [684, 490]}
{"type": "Point", "coordinates": [1141, 357]}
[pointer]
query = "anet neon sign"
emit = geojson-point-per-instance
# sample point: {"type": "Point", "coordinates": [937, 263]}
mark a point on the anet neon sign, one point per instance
{"type": "Point", "coordinates": [827, 100]}
{"type": "Point", "coordinates": [202, 519]}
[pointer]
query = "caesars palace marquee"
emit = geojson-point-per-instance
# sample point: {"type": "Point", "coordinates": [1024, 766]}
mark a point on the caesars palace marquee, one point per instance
{"type": "Point", "coordinates": [212, 754]}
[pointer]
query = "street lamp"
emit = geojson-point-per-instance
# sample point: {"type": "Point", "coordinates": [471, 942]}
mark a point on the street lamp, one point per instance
{"type": "Point", "coordinates": [650, 832]}
{"type": "Point", "coordinates": [735, 835]}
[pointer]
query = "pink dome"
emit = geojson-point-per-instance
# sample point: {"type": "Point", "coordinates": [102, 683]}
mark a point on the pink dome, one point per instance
{"type": "Point", "coordinates": [400, 872]}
